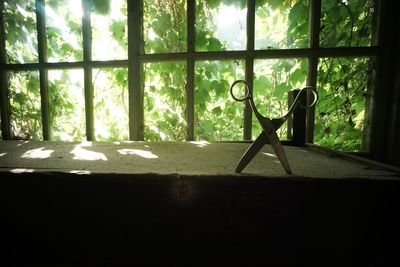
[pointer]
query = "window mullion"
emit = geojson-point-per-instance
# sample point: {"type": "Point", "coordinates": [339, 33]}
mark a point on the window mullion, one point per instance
{"type": "Point", "coordinates": [135, 37]}
{"type": "Point", "coordinates": [314, 29]}
{"type": "Point", "coordinates": [249, 71]}
{"type": "Point", "coordinates": [88, 77]}
{"type": "Point", "coordinates": [191, 17]}
{"type": "Point", "coordinates": [43, 80]}
{"type": "Point", "coordinates": [5, 112]}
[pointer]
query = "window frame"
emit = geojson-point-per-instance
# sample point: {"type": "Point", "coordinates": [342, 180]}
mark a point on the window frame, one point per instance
{"type": "Point", "coordinates": [137, 57]}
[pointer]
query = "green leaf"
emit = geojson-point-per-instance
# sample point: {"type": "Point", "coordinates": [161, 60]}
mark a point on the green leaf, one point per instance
{"type": "Point", "coordinates": [217, 111]}
{"type": "Point", "coordinates": [101, 7]}
{"type": "Point", "coordinates": [214, 44]}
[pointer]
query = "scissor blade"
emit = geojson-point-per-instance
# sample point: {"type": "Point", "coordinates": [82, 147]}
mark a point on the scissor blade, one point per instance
{"type": "Point", "coordinates": [280, 153]}
{"type": "Point", "coordinates": [253, 149]}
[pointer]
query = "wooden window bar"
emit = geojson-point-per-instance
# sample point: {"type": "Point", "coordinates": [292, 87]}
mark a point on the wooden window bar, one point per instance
{"type": "Point", "coordinates": [136, 58]}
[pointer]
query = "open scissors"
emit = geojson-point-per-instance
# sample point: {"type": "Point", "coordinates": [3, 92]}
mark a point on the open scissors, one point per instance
{"type": "Point", "coordinates": [269, 126]}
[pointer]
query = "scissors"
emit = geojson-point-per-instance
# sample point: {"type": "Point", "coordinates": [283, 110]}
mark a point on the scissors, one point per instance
{"type": "Point", "coordinates": [269, 126]}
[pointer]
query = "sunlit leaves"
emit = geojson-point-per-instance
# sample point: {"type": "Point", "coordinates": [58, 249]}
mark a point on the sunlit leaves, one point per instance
{"type": "Point", "coordinates": [341, 121]}
{"type": "Point", "coordinates": [281, 24]}
{"type": "Point", "coordinates": [272, 82]}
{"type": "Point", "coordinates": [164, 25]}
{"type": "Point", "coordinates": [347, 23]}
{"type": "Point", "coordinates": [64, 31]}
{"type": "Point", "coordinates": [66, 105]}
{"type": "Point", "coordinates": [111, 104]}
{"type": "Point", "coordinates": [20, 31]}
{"type": "Point", "coordinates": [164, 101]}
{"type": "Point", "coordinates": [110, 31]}
{"type": "Point", "coordinates": [220, 25]}
{"type": "Point", "coordinates": [26, 117]}
{"type": "Point", "coordinates": [218, 116]}
{"type": "Point", "coordinates": [101, 7]}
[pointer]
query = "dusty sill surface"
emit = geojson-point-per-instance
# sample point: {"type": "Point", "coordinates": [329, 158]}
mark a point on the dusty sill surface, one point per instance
{"type": "Point", "coordinates": [178, 158]}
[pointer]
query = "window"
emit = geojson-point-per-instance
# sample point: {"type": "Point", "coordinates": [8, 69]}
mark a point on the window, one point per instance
{"type": "Point", "coordinates": [161, 70]}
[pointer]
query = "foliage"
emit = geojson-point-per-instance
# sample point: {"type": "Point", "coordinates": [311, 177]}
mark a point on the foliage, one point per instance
{"type": "Point", "coordinates": [274, 78]}
{"type": "Point", "coordinates": [66, 105]}
{"type": "Point", "coordinates": [21, 33]}
{"type": "Point", "coordinates": [218, 116]}
{"type": "Point", "coordinates": [341, 114]}
{"type": "Point", "coordinates": [110, 104]}
{"type": "Point", "coordinates": [63, 31]}
{"type": "Point", "coordinates": [164, 24]}
{"type": "Point", "coordinates": [26, 118]}
{"type": "Point", "coordinates": [164, 101]}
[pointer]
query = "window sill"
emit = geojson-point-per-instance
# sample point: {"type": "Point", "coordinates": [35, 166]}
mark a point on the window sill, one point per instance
{"type": "Point", "coordinates": [178, 158]}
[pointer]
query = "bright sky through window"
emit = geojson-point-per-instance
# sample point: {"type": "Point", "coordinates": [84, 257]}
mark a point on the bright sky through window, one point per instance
{"type": "Point", "coordinates": [230, 22]}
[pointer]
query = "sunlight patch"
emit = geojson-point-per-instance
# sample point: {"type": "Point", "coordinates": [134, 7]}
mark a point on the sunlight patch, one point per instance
{"type": "Point", "coordinates": [38, 153]}
{"type": "Point", "coordinates": [22, 170]}
{"type": "Point", "coordinates": [80, 172]}
{"type": "Point", "coordinates": [200, 143]}
{"type": "Point", "coordinates": [270, 154]}
{"type": "Point", "coordinates": [3, 154]}
{"type": "Point", "coordinates": [84, 154]}
{"type": "Point", "coordinates": [139, 152]}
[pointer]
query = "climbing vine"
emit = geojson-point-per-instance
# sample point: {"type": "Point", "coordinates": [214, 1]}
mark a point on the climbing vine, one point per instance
{"type": "Point", "coordinates": [341, 119]}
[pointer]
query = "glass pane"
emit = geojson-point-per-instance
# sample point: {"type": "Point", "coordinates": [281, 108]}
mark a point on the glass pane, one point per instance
{"type": "Point", "coordinates": [67, 105]}
{"type": "Point", "coordinates": [109, 30]}
{"type": "Point", "coordinates": [111, 121]}
{"type": "Point", "coordinates": [281, 24]}
{"type": "Point", "coordinates": [347, 23]}
{"type": "Point", "coordinates": [273, 79]}
{"type": "Point", "coordinates": [164, 101]}
{"type": "Point", "coordinates": [221, 25]}
{"type": "Point", "coordinates": [341, 115]}
{"type": "Point", "coordinates": [64, 30]}
{"type": "Point", "coordinates": [164, 24]}
{"type": "Point", "coordinates": [20, 30]}
{"type": "Point", "coordinates": [218, 116]}
{"type": "Point", "coordinates": [26, 116]}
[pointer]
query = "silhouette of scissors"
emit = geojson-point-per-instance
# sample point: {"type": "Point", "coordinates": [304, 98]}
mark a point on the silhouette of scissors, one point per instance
{"type": "Point", "coordinates": [269, 126]}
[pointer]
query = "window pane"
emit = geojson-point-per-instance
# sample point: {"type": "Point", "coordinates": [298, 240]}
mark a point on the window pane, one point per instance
{"type": "Point", "coordinates": [164, 25]}
{"type": "Point", "coordinates": [341, 115]}
{"type": "Point", "coordinates": [218, 116]}
{"type": "Point", "coordinates": [220, 25]}
{"type": "Point", "coordinates": [347, 23]}
{"type": "Point", "coordinates": [111, 104]}
{"type": "Point", "coordinates": [67, 105]}
{"type": "Point", "coordinates": [274, 78]}
{"type": "Point", "coordinates": [64, 30]}
{"type": "Point", "coordinates": [281, 24]}
{"type": "Point", "coordinates": [109, 30]}
{"type": "Point", "coordinates": [26, 117]}
{"type": "Point", "coordinates": [20, 30]}
{"type": "Point", "coordinates": [164, 101]}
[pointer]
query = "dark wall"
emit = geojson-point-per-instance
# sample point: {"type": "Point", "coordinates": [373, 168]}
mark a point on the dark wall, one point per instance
{"type": "Point", "coordinates": [385, 120]}
{"type": "Point", "coordinates": [49, 218]}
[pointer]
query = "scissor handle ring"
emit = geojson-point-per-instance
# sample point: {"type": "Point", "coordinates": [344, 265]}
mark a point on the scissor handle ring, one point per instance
{"type": "Point", "coordinates": [247, 91]}
{"type": "Point", "coordinates": [315, 95]}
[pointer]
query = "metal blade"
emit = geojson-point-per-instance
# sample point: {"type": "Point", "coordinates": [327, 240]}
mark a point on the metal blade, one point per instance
{"type": "Point", "coordinates": [280, 153]}
{"type": "Point", "coordinates": [253, 149]}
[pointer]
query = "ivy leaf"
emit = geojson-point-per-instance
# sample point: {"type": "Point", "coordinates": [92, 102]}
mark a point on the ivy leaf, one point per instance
{"type": "Point", "coordinates": [214, 44]}
{"type": "Point", "coordinates": [217, 111]}
{"type": "Point", "coordinates": [101, 7]}
{"type": "Point", "coordinates": [118, 29]}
